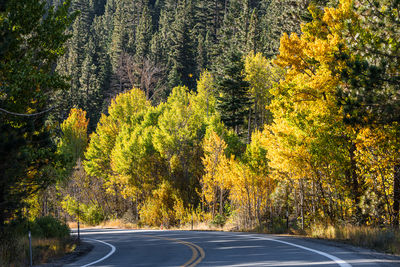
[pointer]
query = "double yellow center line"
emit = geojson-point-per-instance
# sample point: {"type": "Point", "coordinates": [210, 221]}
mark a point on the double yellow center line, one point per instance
{"type": "Point", "coordinates": [198, 253]}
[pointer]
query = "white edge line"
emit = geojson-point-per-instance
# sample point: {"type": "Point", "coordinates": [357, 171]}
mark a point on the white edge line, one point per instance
{"type": "Point", "coordinates": [337, 260]}
{"type": "Point", "coordinates": [105, 257]}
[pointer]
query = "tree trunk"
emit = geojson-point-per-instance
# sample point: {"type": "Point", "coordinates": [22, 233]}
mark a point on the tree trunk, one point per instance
{"type": "Point", "coordinates": [249, 128]}
{"type": "Point", "coordinates": [313, 200]}
{"type": "Point", "coordinates": [136, 209]}
{"type": "Point", "coordinates": [396, 196]}
{"type": "Point", "coordinates": [295, 202]}
{"type": "Point", "coordinates": [353, 180]}
{"type": "Point", "coordinates": [221, 199]}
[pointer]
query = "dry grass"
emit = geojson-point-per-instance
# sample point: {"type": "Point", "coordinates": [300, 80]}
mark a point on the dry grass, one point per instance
{"type": "Point", "coordinates": [9, 248]}
{"type": "Point", "coordinates": [118, 223]}
{"type": "Point", "coordinates": [381, 239]}
{"type": "Point", "coordinates": [198, 226]}
{"type": "Point", "coordinates": [72, 225]}
{"type": "Point", "coordinates": [46, 249]}
{"type": "Point", "coordinates": [43, 250]}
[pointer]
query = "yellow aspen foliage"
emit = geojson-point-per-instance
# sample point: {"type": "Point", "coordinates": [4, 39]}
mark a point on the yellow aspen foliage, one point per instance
{"type": "Point", "coordinates": [251, 183]}
{"type": "Point", "coordinates": [310, 60]}
{"type": "Point", "coordinates": [248, 193]}
{"type": "Point", "coordinates": [308, 139]}
{"type": "Point", "coordinates": [216, 178]}
{"type": "Point", "coordinates": [262, 76]}
{"type": "Point", "coordinates": [76, 123]}
{"type": "Point", "coordinates": [287, 149]}
{"type": "Point", "coordinates": [164, 207]}
{"type": "Point", "coordinates": [305, 100]}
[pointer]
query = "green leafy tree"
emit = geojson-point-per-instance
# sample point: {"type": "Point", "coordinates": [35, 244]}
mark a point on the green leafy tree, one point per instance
{"type": "Point", "coordinates": [178, 140]}
{"type": "Point", "coordinates": [124, 114]}
{"type": "Point", "coordinates": [122, 111]}
{"type": "Point", "coordinates": [262, 75]}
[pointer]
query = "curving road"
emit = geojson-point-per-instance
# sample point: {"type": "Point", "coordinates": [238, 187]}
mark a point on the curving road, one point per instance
{"type": "Point", "coordinates": [192, 248]}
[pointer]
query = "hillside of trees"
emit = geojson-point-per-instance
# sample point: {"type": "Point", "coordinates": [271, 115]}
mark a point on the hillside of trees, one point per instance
{"type": "Point", "coordinates": [248, 112]}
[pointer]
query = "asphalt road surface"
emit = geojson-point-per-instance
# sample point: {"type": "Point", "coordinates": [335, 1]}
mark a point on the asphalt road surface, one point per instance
{"type": "Point", "coordinates": [114, 247]}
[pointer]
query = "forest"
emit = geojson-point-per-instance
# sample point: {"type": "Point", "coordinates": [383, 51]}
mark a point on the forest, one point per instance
{"type": "Point", "coordinates": [161, 113]}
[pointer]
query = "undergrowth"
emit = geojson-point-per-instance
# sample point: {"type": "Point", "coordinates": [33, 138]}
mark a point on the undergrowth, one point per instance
{"type": "Point", "coordinates": [381, 239]}
{"type": "Point", "coordinates": [50, 239]}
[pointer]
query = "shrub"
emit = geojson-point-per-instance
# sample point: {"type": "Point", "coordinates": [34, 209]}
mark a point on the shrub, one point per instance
{"type": "Point", "coordinates": [165, 207]}
{"type": "Point", "coordinates": [219, 220]}
{"type": "Point", "coordinates": [49, 239]}
{"type": "Point", "coordinates": [49, 227]}
{"type": "Point", "coordinates": [93, 215]}
{"type": "Point", "coordinates": [88, 214]}
{"type": "Point", "coordinates": [11, 245]}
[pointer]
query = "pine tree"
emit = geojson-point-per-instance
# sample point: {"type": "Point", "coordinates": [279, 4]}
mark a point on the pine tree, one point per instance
{"type": "Point", "coordinates": [181, 56]}
{"type": "Point", "coordinates": [31, 36]}
{"type": "Point", "coordinates": [370, 95]}
{"type": "Point", "coordinates": [233, 90]}
{"type": "Point", "coordinates": [143, 35]}
{"type": "Point", "coordinates": [102, 62]}
{"type": "Point", "coordinates": [280, 17]}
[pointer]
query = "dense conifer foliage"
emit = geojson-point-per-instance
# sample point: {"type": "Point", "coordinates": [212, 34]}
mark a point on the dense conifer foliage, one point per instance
{"type": "Point", "coordinates": [32, 39]}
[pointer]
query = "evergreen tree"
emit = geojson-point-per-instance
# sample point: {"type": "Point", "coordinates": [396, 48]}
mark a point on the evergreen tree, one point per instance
{"type": "Point", "coordinates": [181, 56]}
{"type": "Point", "coordinates": [32, 38]}
{"type": "Point", "coordinates": [143, 35]}
{"type": "Point", "coordinates": [370, 95]}
{"type": "Point", "coordinates": [280, 17]}
{"type": "Point", "coordinates": [102, 63]}
{"type": "Point", "coordinates": [233, 91]}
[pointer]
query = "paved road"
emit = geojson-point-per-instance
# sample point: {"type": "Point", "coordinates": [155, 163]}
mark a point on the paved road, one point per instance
{"type": "Point", "coordinates": [191, 248]}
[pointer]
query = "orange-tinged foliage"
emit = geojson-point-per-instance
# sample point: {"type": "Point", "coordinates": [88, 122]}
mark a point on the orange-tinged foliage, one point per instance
{"type": "Point", "coordinates": [74, 140]}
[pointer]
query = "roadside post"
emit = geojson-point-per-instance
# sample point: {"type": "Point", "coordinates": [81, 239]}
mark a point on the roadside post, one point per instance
{"type": "Point", "coordinates": [287, 221]}
{"type": "Point", "coordinates": [79, 235]}
{"type": "Point", "coordinates": [30, 248]}
{"type": "Point", "coordinates": [30, 240]}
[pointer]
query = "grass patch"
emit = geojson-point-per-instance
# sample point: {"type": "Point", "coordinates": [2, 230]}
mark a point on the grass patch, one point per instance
{"type": "Point", "coordinates": [50, 240]}
{"type": "Point", "coordinates": [46, 249]}
{"type": "Point", "coordinates": [119, 223]}
{"type": "Point", "coordinates": [14, 250]}
{"type": "Point", "coordinates": [385, 240]}
{"type": "Point", "coordinates": [381, 239]}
